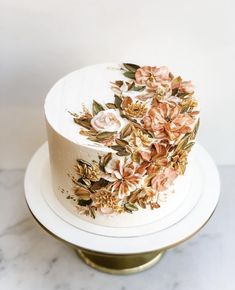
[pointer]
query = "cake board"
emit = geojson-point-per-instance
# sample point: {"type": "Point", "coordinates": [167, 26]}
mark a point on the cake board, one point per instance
{"type": "Point", "coordinates": [124, 254]}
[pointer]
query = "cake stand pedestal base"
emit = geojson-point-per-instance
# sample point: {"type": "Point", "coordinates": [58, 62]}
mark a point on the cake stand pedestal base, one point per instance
{"type": "Point", "coordinates": [120, 264]}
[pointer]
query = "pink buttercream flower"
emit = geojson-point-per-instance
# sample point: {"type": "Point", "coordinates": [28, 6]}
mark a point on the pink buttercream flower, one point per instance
{"type": "Point", "coordinates": [164, 179]}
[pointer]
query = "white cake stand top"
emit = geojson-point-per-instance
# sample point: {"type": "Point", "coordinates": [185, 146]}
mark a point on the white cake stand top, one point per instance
{"type": "Point", "coordinates": [106, 240]}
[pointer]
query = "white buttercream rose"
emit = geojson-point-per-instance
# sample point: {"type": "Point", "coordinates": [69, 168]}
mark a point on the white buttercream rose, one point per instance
{"type": "Point", "coordinates": [107, 121]}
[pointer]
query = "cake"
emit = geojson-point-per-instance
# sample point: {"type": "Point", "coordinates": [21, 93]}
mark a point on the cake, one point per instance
{"type": "Point", "coordinates": [119, 140]}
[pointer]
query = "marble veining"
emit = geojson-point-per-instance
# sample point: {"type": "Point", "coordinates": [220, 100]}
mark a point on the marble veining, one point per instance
{"type": "Point", "coordinates": [32, 259]}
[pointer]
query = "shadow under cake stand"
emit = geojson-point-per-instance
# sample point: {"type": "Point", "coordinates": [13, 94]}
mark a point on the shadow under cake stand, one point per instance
{"type": "Point", "coordinates": [111, 250]}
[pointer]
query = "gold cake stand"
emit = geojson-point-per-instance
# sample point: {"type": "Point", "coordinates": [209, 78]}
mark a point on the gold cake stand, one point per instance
{"type": "Point", "coordinates": [122, 264]}
{"type": "Point", "coordinates": [127, 264]}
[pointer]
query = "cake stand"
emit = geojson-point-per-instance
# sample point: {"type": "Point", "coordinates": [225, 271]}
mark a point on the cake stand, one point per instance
{"type": "Point", "coordinates": [122, 254]}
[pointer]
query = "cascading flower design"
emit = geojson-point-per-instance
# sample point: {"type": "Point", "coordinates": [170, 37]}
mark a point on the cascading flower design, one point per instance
{"type": "Point", "coordinates": [149, 129]}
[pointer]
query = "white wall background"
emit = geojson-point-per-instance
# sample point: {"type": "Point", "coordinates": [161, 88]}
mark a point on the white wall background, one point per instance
{"type": "Point", "coordinates": [40, 41]}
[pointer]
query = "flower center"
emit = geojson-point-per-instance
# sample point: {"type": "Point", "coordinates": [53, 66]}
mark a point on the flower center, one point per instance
{"type": "Point", "coordinates": [151, 77]}
{"type": "Point", "coordinates": [168, 119]}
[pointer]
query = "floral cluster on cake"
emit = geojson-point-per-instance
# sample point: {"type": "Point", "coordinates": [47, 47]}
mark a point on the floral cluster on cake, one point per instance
{"type": "Point", "coordinates": [150, 127]}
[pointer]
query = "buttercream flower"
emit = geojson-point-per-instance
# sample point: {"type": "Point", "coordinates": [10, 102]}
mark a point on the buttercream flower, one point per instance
{"type": "Point", "coordinates": [105, 201]}
{"type": "Point", "coordinates": [166, 121]}
{"type": "Point", "coordinates": [140, 145]}
{"type": "Point", "coordinates": [152, 76]}
{"type": "Point", "coordinates": [88, 171]}
{"type": "Point", "coordinates": [158, 157]}
{"type": "Point", "coordinates": [107, 121]}
{"type": "Point", "coordinates": [164, 179]}
{"type": "Point", "coordinates": [179, 161]}
{"type": "Point", "coordinates": [160, 149]}
{"type": "Point", "coordinates": [183, 87]}
{"type": "Point", "coordinates": [133, 109]}
{"type": "Point", "coordinates": [186, 87]}
{"type": "Point", "coordinates": [124, 177]}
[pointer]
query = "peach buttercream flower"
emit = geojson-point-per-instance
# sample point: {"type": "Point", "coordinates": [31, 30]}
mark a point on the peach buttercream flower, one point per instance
{"type": "Point", "coordinates": [124, 176]}
{"type": "Point", "coordinates": [152, 76]}
{"type": "Point", "coordinates": [107, 121]}
{"type": "Point", "coordinates": [160, 149]}
{"type": "Point", "coordinates": [166, 121]}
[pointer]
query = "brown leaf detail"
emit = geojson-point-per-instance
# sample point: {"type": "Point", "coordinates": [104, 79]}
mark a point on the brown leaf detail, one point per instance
{"type": "Point", "coordinates": [99, 184]}
{"type": "Point", "coordinates": [111, 106]}
{"type": "Point", "coordinates": [121, 142]}
{"type": "Point", "coordinates": [126, 131]}
{"type": "Point", "coordinates": [104, 160]}
{"type": "Point", "coordinates": [131, 67]}
{"type": "Point", "coordinates": [104, 135]}
{"type": "Point", "coordinates": [97, 107]}
{"type": "Point", "coordinates": [86, 123]}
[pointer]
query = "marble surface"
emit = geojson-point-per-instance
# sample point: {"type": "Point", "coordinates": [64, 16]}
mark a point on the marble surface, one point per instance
{"type": "Point", "coordinates": [31, 259]}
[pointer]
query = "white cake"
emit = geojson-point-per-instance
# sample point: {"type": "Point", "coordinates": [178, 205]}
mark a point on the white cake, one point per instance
{"type": "Point", "coordinates": [120, 161]}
